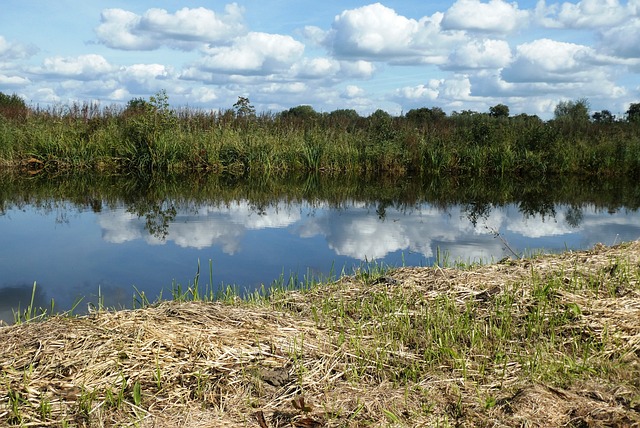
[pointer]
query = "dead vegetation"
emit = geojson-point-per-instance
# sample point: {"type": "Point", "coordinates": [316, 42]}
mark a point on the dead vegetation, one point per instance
{"type": "Point", "coordinates": [547, 341]}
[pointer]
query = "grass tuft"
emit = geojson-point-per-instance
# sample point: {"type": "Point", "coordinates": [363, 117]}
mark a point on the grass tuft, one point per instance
{"type": "Point", "coordinates": [542, 341]}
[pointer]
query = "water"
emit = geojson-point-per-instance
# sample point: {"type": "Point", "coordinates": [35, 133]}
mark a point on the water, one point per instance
{"type": "Point", "coordinates": [80, 240]}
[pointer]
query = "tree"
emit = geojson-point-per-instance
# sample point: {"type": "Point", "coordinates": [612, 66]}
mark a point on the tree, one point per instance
{"type": "Point", "coordinates": [381, 126]}
{"type": "Point", "coordinates": [603, 116]}
{"type": "Point", "coordinates": [423, 115]}
{"type": "Point", "coordinates": [499, 110]}
{"type": "Point", "coordinates": [633, 114]}
{"type": "Point", "coordinates": [302, 112]}
{"type": "Point", "coordinates": [344, 117]}
{"type": "Point", "coordinates": [13, 107]}
{"type": "Point", "coordinates": [137, 106]}
{"type": "Point", "coordinates": [576, 112]}
{"type": "Point", "coordinates": [344, 114]}
{"type": "Point", "coordinates": [243, 107]}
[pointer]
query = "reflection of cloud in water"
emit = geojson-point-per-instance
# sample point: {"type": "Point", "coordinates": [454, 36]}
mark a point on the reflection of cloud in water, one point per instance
{"type": "Point", "coordinates": [363, 237]}
{"type": "Point", "coordinates": [357, 232]}
{"type": "Point", "coordinates": [537, 227]}
{"type": "Point", "coordinates": [119, 226]}
{"type": "Point", "coordinates": [211, 225]}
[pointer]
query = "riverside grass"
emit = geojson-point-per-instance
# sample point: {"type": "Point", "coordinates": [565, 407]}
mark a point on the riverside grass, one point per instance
{"type": "Point", "coordinates": [151, 136]}
{"type": "Point", "coordinates": [552, 340]}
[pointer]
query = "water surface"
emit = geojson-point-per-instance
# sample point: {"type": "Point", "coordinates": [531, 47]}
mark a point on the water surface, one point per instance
{"type": "Point", "coordinates": [77, 238]}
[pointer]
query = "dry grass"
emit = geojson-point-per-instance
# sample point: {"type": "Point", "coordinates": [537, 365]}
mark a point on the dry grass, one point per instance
{"type": "Point", "coordinates": [548, 341]}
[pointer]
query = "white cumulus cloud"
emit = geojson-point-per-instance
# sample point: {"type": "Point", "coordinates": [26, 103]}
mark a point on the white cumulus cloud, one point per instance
{"type": "Point", "coordinates": [83, 67]}
{"type": "Point", "coordinates": [184, 29]}
{"type": "Point", "coordinates": [378, 32]}
{"type": "Point", "coordinates": [254, 53]}
{"type": "Point", "coordinates": [13, 50]}
{"type": "Point", "coordinates": [620, 40]}
{"type": "Point", "coordinates": [583, 14]}
{"type": "Point", "coordinates": [487, 53]}
{"type": "Point", "coordinates": [496, 16]}
{"type": "Point", "coordinates": [547, 60]}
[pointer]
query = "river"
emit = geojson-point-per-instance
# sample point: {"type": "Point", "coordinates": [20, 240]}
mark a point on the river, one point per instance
{"type": "Point", "coordinates": [79, 238]}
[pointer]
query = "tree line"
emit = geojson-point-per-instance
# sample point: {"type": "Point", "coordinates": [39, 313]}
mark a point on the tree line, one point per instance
{"type": "Point", "coordinates": [151, 135]}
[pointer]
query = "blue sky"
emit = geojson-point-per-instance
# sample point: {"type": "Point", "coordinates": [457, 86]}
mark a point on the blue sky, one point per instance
{"type": "Point", "coordinates": [395, 55]}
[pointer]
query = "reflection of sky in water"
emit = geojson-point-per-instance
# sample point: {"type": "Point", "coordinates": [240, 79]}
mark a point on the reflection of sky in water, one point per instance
{"type": "Point", "coordinates": [71, 253]}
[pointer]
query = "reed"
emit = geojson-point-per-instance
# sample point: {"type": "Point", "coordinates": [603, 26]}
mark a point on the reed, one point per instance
{"type": "Point", "coordinates": [149, 136]}
{"type": "Point", "coordinates": [546, 340]}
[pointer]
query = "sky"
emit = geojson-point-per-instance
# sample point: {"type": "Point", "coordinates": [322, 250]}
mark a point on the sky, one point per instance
{"type": "Point", "coordinates": [394, 55]}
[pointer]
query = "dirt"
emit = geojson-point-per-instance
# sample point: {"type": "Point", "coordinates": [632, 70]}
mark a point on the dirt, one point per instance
{"type": "Point", "coordinates": [204, 364]}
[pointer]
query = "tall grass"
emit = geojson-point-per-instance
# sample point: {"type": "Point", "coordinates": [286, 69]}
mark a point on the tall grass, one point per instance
{"type": "Point", "coordinates": [150, 136]}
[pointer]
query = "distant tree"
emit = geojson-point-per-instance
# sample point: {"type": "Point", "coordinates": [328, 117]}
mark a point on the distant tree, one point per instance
{"type": "Point", "coordinates": [528, 118]}
{"type": "Point", "coordinates": [381, 126]}
{"type": "Point", "coordinates": [344, 118]}
{"type": "Point", "coordinates": [348, 114]}
{"type": "Point", "coordinates": [603, 116]}
{"type": "Point", "coordinates": [499, 110]}
{"type": "Point", "coordinates": [576, 112]}
{"type": "Point", "coordinates": [423, 115]}
{"type": "Point", "coordinates": [633, 113]}
{"type": "Point", "coordinates": [380, 116]}
{"type": "Point", "coordinates": [13, 107]}
{"type": "Point", "coordinates": [137, 106]}
{"type": "Point", "coordinates": [243, 107]}
{"type": "Point", "coordinates": [301, 112]}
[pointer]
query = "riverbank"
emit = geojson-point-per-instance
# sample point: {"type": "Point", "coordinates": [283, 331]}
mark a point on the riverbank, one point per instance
{"type": "Point", "coordinates": [150, 137]}
{"type": "Point", "coordinates": [546, 341]}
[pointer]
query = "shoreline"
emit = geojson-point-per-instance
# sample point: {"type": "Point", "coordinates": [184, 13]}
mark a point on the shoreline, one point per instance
{"type": "Point", "coordinates": [550, 340]}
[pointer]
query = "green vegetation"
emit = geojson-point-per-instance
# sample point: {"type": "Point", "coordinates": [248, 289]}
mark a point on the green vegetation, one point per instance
{"type": "Point", "coordinates": [157, 198]}
{"type": "Point", "coordinates": [545, 341]}
{"type": "Point", "coordinates": [150, 136]}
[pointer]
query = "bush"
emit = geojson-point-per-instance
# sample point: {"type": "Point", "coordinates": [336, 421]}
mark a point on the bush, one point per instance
{"type": "Point", "coordinates": [13, 108]}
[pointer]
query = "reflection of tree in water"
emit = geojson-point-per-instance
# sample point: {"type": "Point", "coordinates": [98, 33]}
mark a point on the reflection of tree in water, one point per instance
{"type": "Point", "coordinates": [530, 207]}
{"type": "Point", "coordinates": [476, 211]}
{"type": "Point", "coordinates": [574, 216]}
{"type": "Point", "coordinates": [158, 215]}
{"type": "Point", "coordinates": [381, 210]}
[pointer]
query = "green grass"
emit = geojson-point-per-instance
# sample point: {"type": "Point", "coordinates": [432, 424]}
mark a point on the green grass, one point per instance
{"type": "Point", "coordinates": [153, 137]}
{"type": "Point", "coordinates": [447, 344]}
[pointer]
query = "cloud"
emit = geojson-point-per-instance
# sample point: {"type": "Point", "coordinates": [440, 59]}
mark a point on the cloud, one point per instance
{"type": "Point", "coordinates": [210, 226]}
{"type": "Point", "coordinates": [13, 50]}
{"type": "Point", "coordinates": [119, 30]}
{"type": "Point", "coordinates": [315, 34]}
{"type": "Point", "coordinates": [420, 93]}
{"type": "Point", "coordinates": [284, 88]}
{"type": "Point", "coordinates": [201, 95]}
{"type": "Point", "coordinates": [359, 69]}
{"type": "Point", "coordinates": [314, 68]}
{"type": "Point", "coordinates": [253, 54]}
{"type": "Point", "coordinates": [184, 29]}
{"type": "Point", "coordinates": [584, 14]}
{"type": "Point", "coordinates": [373, 30]}
{"type": "Point", "coordinates": [13, 80]}
{"type": "Point", "coordinates": [83, 67]}
{"type": "Point", "coordinates": [376, 32]}
{"type": "Point", "coordinates": [353, 91]}
{"type": "Point", "coordinates": [547, 60]}
{"type": "Point", "coordinates": [496, 16]}
{"type": "Point", "coordinates": [476, 54]}
{"type": "Point", "coordinates": [145, 72]}
{"type": "Point", "coordinates": [619, 41]}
